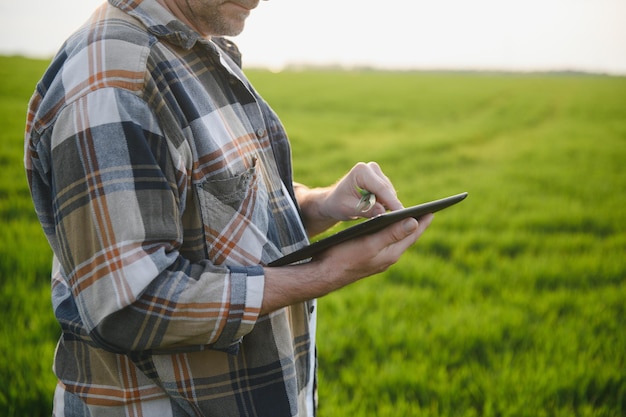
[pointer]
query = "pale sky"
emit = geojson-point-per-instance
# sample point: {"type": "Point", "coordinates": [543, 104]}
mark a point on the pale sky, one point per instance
{"type": "Point", "coordinates": [522, 35]}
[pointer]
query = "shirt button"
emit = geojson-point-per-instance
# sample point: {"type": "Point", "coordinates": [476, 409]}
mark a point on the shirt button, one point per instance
{"type": "Point", "coordinates": [260, 132]}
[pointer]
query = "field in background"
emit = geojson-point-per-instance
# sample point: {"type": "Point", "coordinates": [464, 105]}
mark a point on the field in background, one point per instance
{"type": "Point", "coordinates": [512, 304]}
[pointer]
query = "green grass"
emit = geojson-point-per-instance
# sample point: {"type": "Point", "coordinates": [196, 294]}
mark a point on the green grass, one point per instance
{"type": "Point", "coordinates": [28, 331]}
{"type": "Point", "coordinates": [512, 304]}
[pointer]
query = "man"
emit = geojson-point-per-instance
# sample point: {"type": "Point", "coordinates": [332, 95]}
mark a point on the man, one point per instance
{"type": "Point", "coordinates": [163, 183]}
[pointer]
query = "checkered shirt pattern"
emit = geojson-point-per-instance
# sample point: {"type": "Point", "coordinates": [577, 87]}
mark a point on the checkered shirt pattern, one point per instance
{"type": "Point", "coordinates": [162, 181]}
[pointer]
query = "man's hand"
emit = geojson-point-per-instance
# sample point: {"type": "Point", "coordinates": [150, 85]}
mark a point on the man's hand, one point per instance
{"type": "Point", "coordinates": [323, 207]}
{"type": "Point", "coordinates": [340, 265]}
{"type": "Point", "coordinates": [372, 254]}
{"type": "Point", "coordinates": [342, 200]}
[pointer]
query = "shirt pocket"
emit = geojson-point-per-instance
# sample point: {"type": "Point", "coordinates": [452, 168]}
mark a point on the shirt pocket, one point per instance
{"type": "Point", "coordinates": [235, 214]}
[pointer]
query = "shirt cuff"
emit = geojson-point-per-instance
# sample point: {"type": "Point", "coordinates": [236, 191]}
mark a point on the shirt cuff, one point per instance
{"type": "Point", "coordinates": [246, 297]}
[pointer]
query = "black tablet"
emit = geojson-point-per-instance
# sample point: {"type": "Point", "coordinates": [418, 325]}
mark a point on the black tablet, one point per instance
{"type": "Point", "coordinates": [369, 226]}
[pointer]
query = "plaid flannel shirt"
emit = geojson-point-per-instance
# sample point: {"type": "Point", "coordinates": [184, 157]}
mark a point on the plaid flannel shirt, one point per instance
{"type": "Point", "coordinates": [163, 184]}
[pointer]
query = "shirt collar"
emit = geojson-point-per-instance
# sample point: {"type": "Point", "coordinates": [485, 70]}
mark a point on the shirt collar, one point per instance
{"type": "Point", "coordinates": [160, 22]}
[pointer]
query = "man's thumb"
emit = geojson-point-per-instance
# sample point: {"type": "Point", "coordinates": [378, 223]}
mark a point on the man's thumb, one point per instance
{"type": "Point", "coordinates": [409, 226]}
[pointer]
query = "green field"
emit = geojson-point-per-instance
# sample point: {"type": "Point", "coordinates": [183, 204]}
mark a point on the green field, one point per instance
{"type": "Point", "coordinates": [512, 304]}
